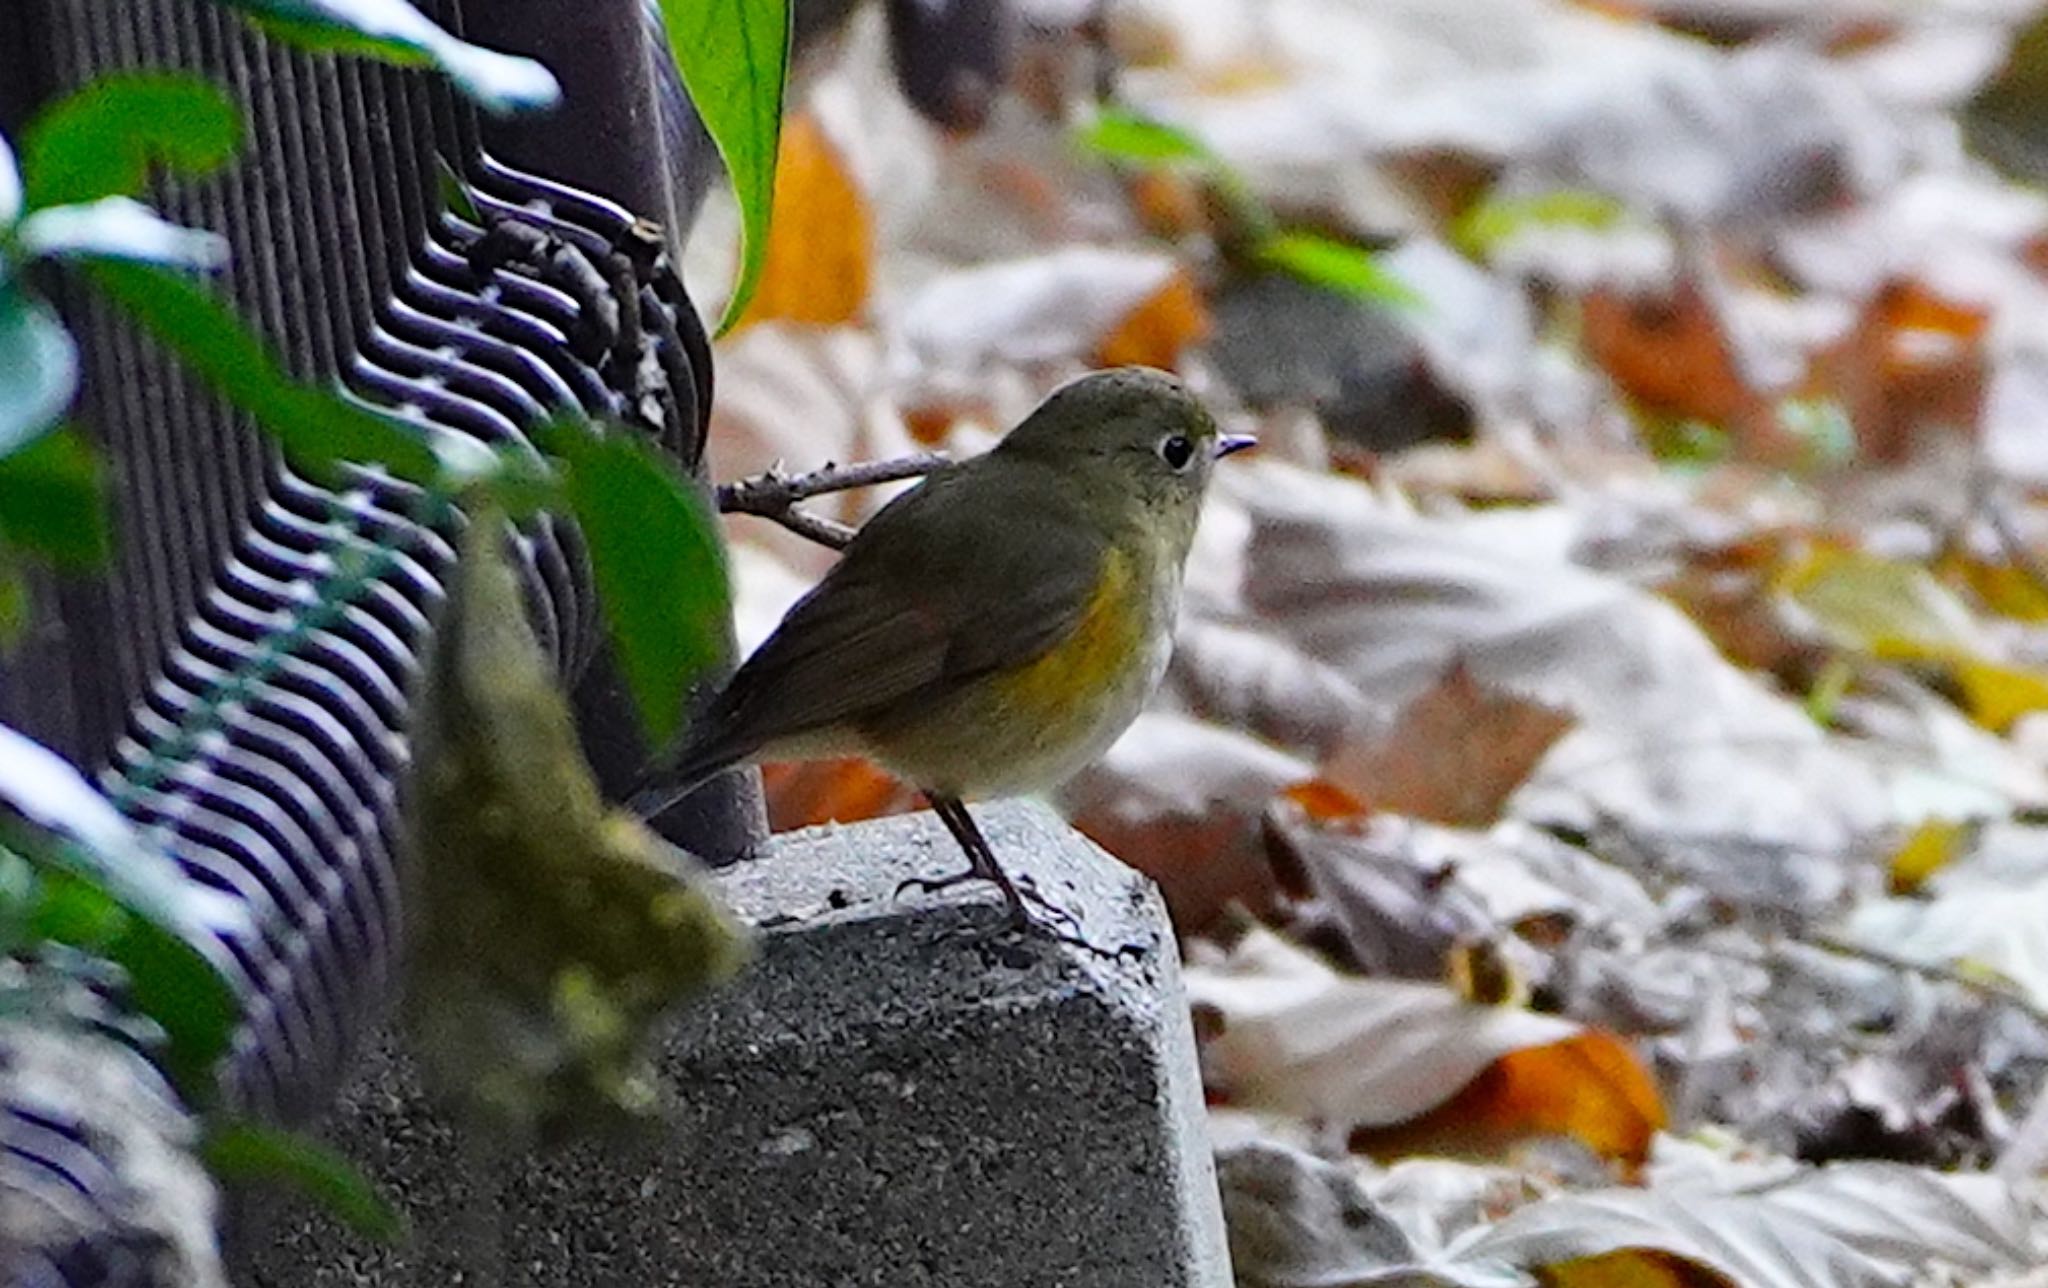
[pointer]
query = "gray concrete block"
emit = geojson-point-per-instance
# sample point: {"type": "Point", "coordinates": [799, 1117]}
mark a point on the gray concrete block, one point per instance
{"type": "Point", "coordinates": [882, 1099]}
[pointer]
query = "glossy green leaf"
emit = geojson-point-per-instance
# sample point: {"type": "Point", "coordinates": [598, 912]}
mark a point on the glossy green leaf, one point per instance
{"type": "Point", "coordinates": [241, 1151]}
{"type": "Point", "coordinates": [118, 228]}
{"type": "Point", "coordinates": [1340, 266]}
{"type": "Point", "coordinates": [38, 369]}
{"type": "Point", "coordinates": [1121, 136]}
{"type": "Point", "coordinates": [50, 501]}
{"type": "Point", "coordinates": [734, 59]}
{"type": "Point", "coordinates": [315, 427]}
{"type": "Point", "coordinates": [101, 141]}
{"type": "Point", "coordinates": [660, 568]}
{"type": "Point", "coordinates": [395, 32]}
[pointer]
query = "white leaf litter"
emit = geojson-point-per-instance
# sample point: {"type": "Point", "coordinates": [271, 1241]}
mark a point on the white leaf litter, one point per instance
{"type": "Point", "coordinates": [1671, 735]}
{"type": "Point", "coordinates": [1843, 1226]}
{"type": "Point", "coordinates": [1300, 1038]}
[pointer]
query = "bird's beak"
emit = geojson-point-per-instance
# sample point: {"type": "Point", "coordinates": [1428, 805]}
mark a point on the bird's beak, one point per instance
{"type": "Point", "coordinates": [1234, 443]}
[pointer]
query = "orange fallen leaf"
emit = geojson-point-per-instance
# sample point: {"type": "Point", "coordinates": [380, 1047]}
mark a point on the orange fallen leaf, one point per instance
{"type": "Point", "coordinates": [1155, 333]}
{"type": "Point", "coordinates": [1591, 1087]}
{"type": "Point", "coordinates": [1669, 354]}
{"type": "Point", "coordinates": [1325, 802]}
{"type": "Point", "coordinates": [850, 790]}
{"type": "Point", "coordinates": [821, 244]}
{"type": "Point", "coordinates": [1454, 755]}
{"type": "Point", "coordinates": [1913, 363]}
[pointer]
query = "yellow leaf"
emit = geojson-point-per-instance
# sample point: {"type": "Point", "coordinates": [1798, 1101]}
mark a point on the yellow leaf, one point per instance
{"type": "Point", "coordinates": [1876, 605]}
{"type": "Point", "coordinates": [1932, 846]}
{"type": "Point", "coordinates": [2005, 589]}
{"type": "Point", "coordinates": [1997, 694]}
{"type": "Point", "coordinates": [821, 245]}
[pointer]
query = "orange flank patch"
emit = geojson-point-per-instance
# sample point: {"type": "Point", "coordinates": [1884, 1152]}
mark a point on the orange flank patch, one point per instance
{"type": "Point", "coordinates": [847, 790]}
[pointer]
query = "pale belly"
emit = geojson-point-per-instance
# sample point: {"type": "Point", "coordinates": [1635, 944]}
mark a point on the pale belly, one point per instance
{"type": "Point", "coordinates": [981, 743]}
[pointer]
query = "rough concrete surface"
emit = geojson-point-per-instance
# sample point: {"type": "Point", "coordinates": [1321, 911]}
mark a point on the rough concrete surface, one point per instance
{"type": "Point", "coordinates": [883, 1099]}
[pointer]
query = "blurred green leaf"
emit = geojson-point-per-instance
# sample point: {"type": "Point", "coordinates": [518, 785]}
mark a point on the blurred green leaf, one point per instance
{"type": "Point", "coordinates": [92, 902]}
{"type": "Point", "coordinates": [455, 195]}
{"type": "Point", "coordinates": [1488, 223]}
{"type": "Point", "coordinates": [314, 427]}
{"type": "Point", "coordinates": [244, 1151]}
{"type": "Point", "coordinates": [38, 368]}
{"type": "Point", "coordinates": [395, 32]}
{"type": "Point", "coordinates": [660, 569]}
{"type": "Point", "coordinates": [1121, 136]}
{"type": "Point", "coordinates": [101, 140]}
{"type": "Point", "coordinates": [118, 228]}
{"type": "Point", "coordinates": [1340, 266]}
{"type": "Point", "coordinates": [734, 60]}
{"type": "Point", "coordinates": [50, 501]}
{"type": "Point", "coordinates": [14, 612]}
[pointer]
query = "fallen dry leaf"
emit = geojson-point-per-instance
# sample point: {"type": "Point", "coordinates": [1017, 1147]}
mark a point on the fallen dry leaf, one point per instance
{"type": "Point", "coordinates": [1162, 327]}
{"type": "Point", "coordinates": [1180, 800]}
{"type": "Point", "coordinates": [1858, 1225]}
{"type": "Point", "coordinates": [1454, 755]}
{"type": "Point", "coordinates": [1590, 1087]}
{"type": "Point", "coordinates": [1291, 1034]}
{"type": "Point", "coordinates": [821, 244]}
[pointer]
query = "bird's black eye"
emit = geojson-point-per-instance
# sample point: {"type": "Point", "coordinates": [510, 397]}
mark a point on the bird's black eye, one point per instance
{"type": "Point", "coordinates": [1176, 450]}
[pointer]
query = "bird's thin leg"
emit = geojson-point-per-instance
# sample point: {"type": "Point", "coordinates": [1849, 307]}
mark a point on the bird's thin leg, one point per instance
{"type": "Point", "coordinates": [981, 860]}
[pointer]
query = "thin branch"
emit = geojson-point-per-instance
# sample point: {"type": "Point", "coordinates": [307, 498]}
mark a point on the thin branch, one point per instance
{"type": "Point", "coordinates": [2016, 549]}
{"type": "Point", "coordinates": [1990, 989]}
{"type": "Point", "coordinates": [775, 494]}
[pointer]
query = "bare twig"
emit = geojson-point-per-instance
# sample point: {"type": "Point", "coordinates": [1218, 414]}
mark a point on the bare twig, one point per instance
{"type": "Point", "coordinates": [775, 495]}
{"type": "Point", "coordinates": [1990, 989]}
{"type": "Point", "coordinates": [2017, 552]}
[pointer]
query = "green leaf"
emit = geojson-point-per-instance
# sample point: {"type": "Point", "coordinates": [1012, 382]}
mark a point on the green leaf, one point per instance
{"type": "Point", "coordinates": [89, 902]}
{"type": "Point", "coordinates": [315, 428]}
{"type": "Point", "coordinates": [734, 60]}
{"type": "Point", "coordinates": [1120, 136]}
{"type": "Point", "coordinates": [50, 501]}
{"type": "Point", "coordinates": [118, 228]}
{"type": "Point", "coordinates": [395, 32]}
{"type": "Point", "coordinates": [1340, 266]}
{"type": "Point", "coordinates": [455, 194]}
{"type": "Point", "coordinates": [101, 141]}
{"type": "Point", "coordinates": [14, 617]}
{"type": "Point", "coordinates": [238, 1150]}
{"type": "Point", "coordinates": [1481, 230]}
{"type": "Point", "coordinates": [660, 568]}
{"type": "Point", "coordinates": [91, 859]}
{"type": "Point", "coordinates": [38, 369]}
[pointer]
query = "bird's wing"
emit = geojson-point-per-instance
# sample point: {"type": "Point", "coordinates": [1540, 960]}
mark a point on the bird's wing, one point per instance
{"type": "Point", "coordinates": [946, 584]}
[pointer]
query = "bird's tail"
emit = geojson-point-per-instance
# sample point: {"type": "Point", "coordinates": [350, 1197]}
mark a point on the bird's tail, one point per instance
{"type": "Point", "coordinates": [663, 786]}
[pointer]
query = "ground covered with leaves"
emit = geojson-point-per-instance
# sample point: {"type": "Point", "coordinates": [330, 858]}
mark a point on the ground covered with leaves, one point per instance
{"type": "Point", "coordinates": [1602, 784]}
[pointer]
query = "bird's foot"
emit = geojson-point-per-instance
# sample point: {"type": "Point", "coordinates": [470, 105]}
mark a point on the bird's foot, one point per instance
{"type": "Point", "coordinates": [1029, 911]}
